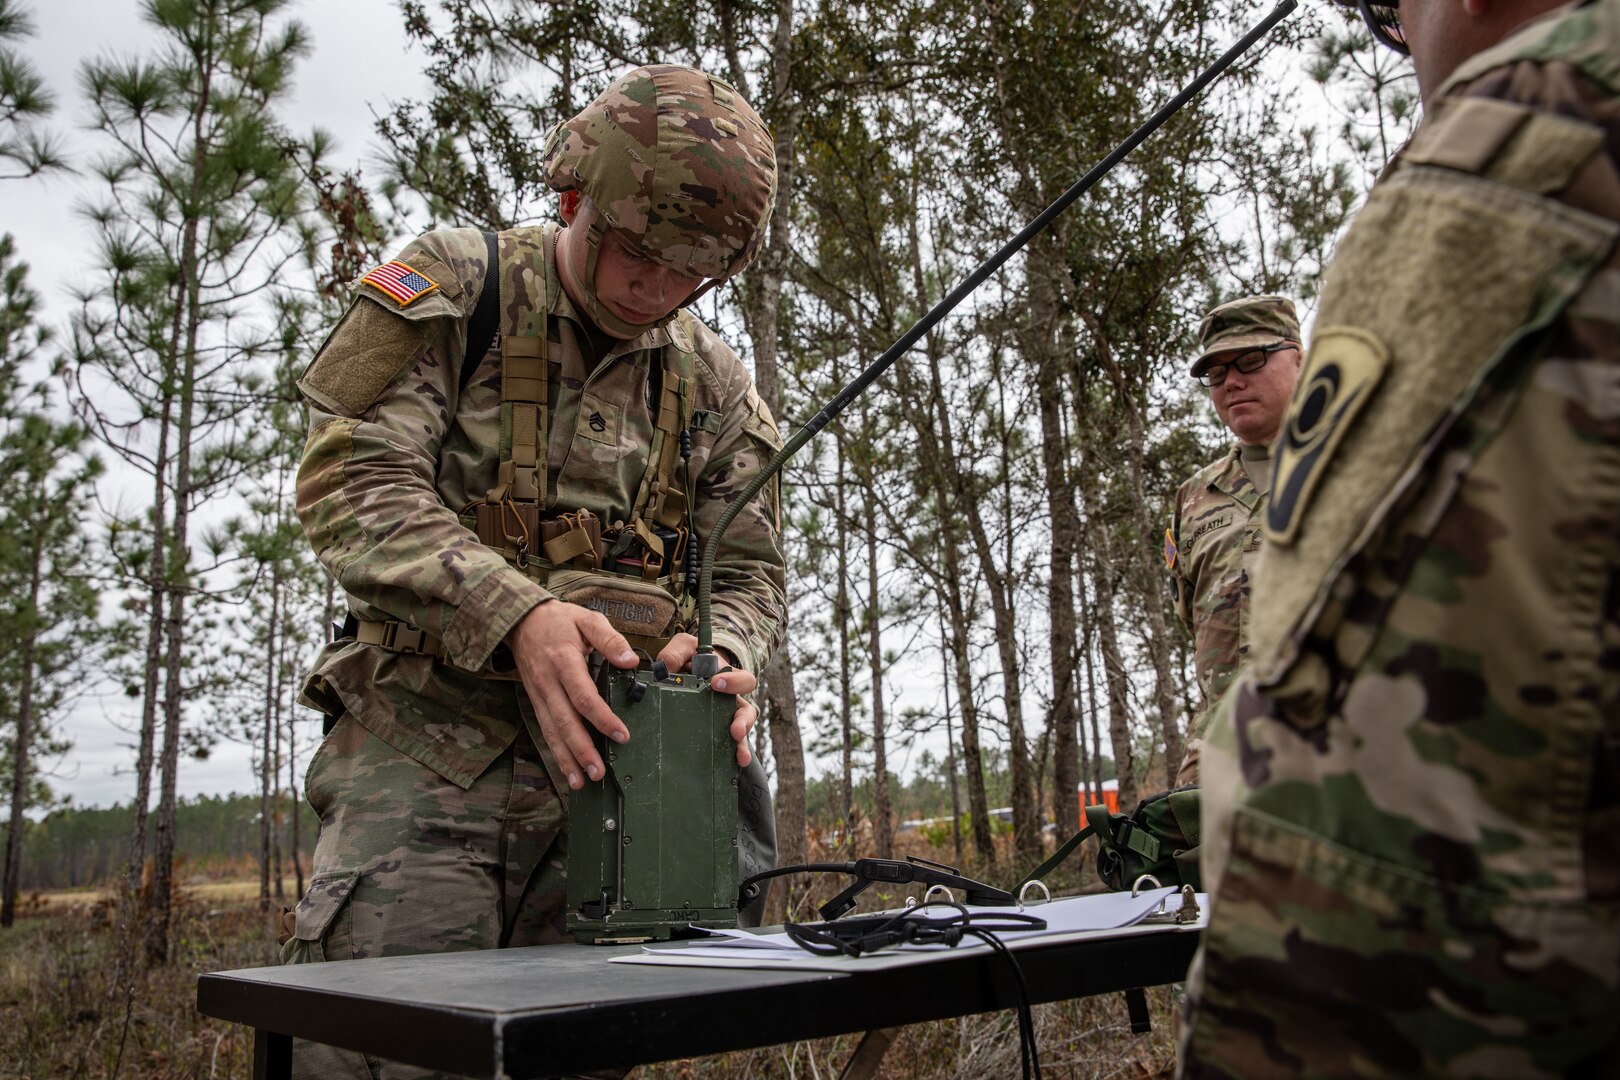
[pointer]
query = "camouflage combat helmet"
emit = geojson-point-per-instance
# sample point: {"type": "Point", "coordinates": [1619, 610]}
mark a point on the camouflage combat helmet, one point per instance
{"type": "Point", "coordinates": [1254, 322]}
{"type": "Point", "coordinates": [676, 161]}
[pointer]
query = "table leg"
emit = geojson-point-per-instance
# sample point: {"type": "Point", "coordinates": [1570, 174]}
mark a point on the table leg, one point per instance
{"type": "Point", "coordinates": [863, 1063]}
{"type": "Point", "coordinates": [272, 1055]}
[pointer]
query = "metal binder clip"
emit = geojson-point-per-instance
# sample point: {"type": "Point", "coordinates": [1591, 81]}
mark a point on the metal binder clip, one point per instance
{"type": "Point", "coordinates": [1187, 913]}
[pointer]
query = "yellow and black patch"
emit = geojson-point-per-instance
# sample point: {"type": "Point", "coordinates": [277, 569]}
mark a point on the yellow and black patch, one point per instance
{"type": "Point", "coordinates": [1345, 367]}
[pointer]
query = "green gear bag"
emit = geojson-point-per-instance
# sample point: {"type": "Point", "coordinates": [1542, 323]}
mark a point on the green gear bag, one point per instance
{"type": "Point", "coordinates": [1160, 838]}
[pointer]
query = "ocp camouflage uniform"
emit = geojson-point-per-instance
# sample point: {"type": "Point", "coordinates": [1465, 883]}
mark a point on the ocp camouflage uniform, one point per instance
{"type": "Point", "coordinates": [441, 810]}
{"type": "Point", "coordinates": [1214, 535]}
{"type": "Point", "coordinates": [379, 492]}
{"type": "Point", "coordinates": [1215, 539]}
{"type": "Point", "coordinates": [1412, 799]}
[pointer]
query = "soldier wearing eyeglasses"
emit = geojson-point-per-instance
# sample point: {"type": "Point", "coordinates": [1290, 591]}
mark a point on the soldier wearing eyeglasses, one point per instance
{"type": "Point", "coordinates": [1250, 361]}
{"type": "Point", "coordinates": [1411, 793]}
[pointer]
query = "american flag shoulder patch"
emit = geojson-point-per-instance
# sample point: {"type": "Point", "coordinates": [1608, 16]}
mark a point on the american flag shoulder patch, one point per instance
{"type": "Point", "coordinates": [400, 283]}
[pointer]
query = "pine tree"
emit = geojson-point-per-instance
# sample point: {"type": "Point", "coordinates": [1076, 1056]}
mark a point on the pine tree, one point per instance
{"type": "Point", "coordinates": [48, 604]}
{"type": "Point", "coordinates": [24, 102]}
{"type": "Point", "coordinates": [201, 193]}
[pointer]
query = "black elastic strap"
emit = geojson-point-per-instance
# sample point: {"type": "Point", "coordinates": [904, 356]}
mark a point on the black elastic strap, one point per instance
{"type": "Point", "coordinates": [349, 628]}
{"type": "Point", "coordinates": [1057, 857]}
{"type": "Point", "coordinates": [1136, 1004]}
{"type": "Point", "coordinates": [481, 327]}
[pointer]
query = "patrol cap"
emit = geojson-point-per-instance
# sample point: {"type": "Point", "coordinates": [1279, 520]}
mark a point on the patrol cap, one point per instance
{"type": "Point", "coordinates": [1250, 323]}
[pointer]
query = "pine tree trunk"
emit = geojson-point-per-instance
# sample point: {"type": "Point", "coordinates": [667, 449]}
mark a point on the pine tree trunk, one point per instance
{"type": "Point", "coordinates": [882, 811]}
{"type": "Point", "coordinates": [1060, 608]}
{"type": "Point", "coordinates": [761, 296]}
{"type": "Point", "coordinates": [268, 769]}
{"type": "Point", "coordinates": [284, 731]}
{"type": "Point", "coordinates": [188, 320]}
{"type": "Point", "coordinates": [1158, 629]}
{"type": "Point", "coordinates": [846, 688]}
{"type": "Point", "coordinates": [1119, 727]}
{"type": "Point", "coordinates": [782, 716]}
{"type": "Point", "coordinates": [1158, 632]}
{"type": "Point", "coordinates": [924, 409]}
{"type": "Point", "coordinates": [1000, 582]}
{"type": "Point", "coordinates": [21, 747]}
{"type": "Point", "coordinates": [950, 745]}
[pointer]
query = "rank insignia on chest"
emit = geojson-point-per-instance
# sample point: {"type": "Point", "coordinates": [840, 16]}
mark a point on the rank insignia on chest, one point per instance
{"type": "Point", "coordinates": [400, 283]}
{"type": "Point", "coordinates": [1170, 552]}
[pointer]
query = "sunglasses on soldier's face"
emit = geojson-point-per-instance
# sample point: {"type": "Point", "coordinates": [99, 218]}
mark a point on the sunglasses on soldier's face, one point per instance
{"type": "Point", "coordinates": [1245, 364]}
{"type": "Point", "coordinates": [1384, 23]}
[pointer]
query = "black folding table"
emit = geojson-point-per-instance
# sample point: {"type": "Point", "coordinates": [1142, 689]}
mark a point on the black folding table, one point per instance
{"type": "Point", "coordinates": [540, 1012]}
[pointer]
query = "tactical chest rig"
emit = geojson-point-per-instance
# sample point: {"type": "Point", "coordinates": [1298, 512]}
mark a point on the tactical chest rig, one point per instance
{"type": "Point", "coordinates": [639, 571]}
{"type": "Point", "coordinates": [632, 570]}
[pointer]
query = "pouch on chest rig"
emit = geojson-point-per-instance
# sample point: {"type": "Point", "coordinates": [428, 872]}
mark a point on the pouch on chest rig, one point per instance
{"type": "Point", "coordinates": [640, 573]}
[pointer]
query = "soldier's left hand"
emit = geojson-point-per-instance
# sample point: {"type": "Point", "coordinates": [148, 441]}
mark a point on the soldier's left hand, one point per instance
{"type": "Point", "coordinates": [677, 656]}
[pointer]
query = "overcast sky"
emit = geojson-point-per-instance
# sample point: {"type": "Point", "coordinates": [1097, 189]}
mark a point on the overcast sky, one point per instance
{"type": "Point", "coordinates": [359, 63]}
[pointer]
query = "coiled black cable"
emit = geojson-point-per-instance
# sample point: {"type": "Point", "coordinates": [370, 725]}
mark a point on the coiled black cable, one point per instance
{"type": "Point", "coordinates": [863, 934]}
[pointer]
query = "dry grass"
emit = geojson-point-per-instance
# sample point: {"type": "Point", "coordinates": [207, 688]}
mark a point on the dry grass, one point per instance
{"type": "Point", "coordinates": [206, 893]}
{"type": "Point", "coordinates": [1088, 1039]}
{"type": "Point", "coordinates": [60, 1015]}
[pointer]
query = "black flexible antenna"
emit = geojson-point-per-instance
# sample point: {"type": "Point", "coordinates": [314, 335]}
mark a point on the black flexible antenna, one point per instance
{"type": "Point", "coordinates": [706, 664]}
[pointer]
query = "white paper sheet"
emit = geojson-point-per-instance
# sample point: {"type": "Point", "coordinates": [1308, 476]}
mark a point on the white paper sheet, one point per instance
{"type": "Point", "coordinates": [1100, 915]}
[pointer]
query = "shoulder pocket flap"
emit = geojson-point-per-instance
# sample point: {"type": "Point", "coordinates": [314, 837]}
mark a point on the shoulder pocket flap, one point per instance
{"type": "Point", "coordinates": [367, 351]}
{"type": "Point", "coordinates": [762, 426]}
{"type": "Point", "coordinates": [326, 897]}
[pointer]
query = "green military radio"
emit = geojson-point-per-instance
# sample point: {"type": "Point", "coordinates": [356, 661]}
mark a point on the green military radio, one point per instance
{"type": "Point", "coordinates": [653, 846]}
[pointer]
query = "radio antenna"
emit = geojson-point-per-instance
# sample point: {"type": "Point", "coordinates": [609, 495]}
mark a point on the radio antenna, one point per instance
{"type": "Point", "coordinates": [706, 663]}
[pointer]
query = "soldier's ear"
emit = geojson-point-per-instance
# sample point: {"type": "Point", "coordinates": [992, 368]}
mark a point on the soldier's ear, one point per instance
{"type": "Point", "coordinates": [568, 206]}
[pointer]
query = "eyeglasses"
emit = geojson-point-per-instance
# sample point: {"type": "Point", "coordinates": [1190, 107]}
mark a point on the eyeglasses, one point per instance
{"type": "Point", "coordinates": [1246, 364]}
{"type": "Point", "coordinates": [1384, 23]}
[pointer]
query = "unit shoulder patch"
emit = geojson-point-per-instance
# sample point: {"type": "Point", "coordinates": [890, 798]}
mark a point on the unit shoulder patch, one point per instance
{"type": "Point", "coordinates": [1170, 551]}
{"type": "Point", "coordinates": [1345, 367]}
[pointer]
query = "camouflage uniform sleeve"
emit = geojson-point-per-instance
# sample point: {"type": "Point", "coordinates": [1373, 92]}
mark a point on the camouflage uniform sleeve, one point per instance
{"type": "Point", "coordinates": [1180, 587]}
{"type": "Point", "coordinates": [382, 391]}
{"type": "Point", "coordinates": [748, 603]}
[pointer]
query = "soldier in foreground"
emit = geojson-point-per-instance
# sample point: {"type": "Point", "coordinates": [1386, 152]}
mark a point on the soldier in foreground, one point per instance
{"type": "Point", "coordinates": [493, 521]}
{"type": "Point", "coordinates": [1250, 361]}
{"type": "Point", "coordinates": [1412, 792]}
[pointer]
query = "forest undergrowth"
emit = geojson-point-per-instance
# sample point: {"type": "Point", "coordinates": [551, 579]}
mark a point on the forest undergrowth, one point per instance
{"type": "Point", "coordinates": [63, 1014]}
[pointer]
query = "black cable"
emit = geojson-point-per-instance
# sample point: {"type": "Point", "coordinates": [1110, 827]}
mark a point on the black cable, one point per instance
{"type": "Point", "coordinates": [864, 934]}
{"type": "Point", "coordinates": [1028, 1049]}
